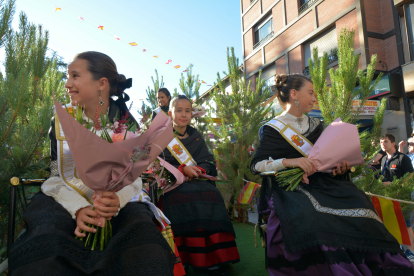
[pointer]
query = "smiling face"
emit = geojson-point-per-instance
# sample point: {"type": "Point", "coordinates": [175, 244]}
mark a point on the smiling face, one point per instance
{"type": "Point", "coordinates": [181, 113]}
{"type": "Point", "coordinates": [306, 97]}
{"type": "Point", "coordinates": [82, 88]}
{"type": "Point", "coordinates": [163, 100]}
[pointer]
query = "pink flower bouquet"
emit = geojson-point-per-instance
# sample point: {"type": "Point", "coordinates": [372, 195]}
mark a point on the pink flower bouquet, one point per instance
{"type": "Point", "coordinates": [107, 156]}
{"type": "Point", "coordinates": [338, 142]}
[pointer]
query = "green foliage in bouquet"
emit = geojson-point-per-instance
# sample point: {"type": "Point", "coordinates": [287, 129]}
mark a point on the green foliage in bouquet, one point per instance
{"type": "Point", "coordinates": [337, 101]}
{"type": "Point", "coordinates": [29, 78]}
{"type": "Point", "coordinates": [242, 112]}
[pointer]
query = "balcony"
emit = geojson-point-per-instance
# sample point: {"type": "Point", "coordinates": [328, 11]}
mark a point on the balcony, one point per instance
{"type": "Point", "coordinates": [306, 6]}
{"type": "Point", "coordinates": [266, 38]}
{"type": "Point", "coordinates": [333, 57]}
{"type": "Point", "coordinates": [252, 1]}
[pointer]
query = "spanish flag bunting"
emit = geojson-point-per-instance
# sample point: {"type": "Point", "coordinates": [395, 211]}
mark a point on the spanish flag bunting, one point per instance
{"type": "Point", "coordinates": [248, 191]}
{"type": "Point", "coordinates": [156, 56]}
{"type": "Point", "coordinates": [58, 9]}
{"type": "Point", "coordinates": [81, 18]}
{"type": "Point", "coordinates": [117, 38]}
{"type": "Point", "coordinates": [177, 66]}
{"type": "Point", "coordinates": [133, 44]}
{"type": "Point", "coordinates": [144, 50]}
{"type": "Point", "coordinates": [168, 61]}
{"type": "Point", "coordinates": [101, 27]}
{"type": "Point", "coordinates": [390, 213]}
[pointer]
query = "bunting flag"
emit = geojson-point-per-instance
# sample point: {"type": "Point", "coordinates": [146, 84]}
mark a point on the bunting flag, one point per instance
{"type": "Point", "coordinates": [390, 213]}
{"type": "Point", "coordinates": [209, 85]}
{"type": "Point", "coordinates": [203, 81]}
{"type": "Point", "coordinates": [101, 27]}
{"type": "Point", "coordinates": [248, 192]}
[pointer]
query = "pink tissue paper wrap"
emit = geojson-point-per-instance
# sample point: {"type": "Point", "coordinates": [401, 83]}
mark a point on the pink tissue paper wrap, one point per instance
{"type": "Point", "coordinates": [98, 161]}
{"type": "Point", "coordinates": [338, 142]}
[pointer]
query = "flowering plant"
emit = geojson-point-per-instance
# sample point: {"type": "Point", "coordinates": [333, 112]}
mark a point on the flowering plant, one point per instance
{"type": "Point", "coordinates": [165, 179]}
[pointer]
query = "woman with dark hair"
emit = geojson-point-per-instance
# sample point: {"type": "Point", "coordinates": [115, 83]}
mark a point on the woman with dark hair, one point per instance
{"type": "Point", "coordinates": [61, 209]}
{"type": "Point", "coordinates": [164, 99]}
{"type": "Point", "coordinates": [202, 228]}
{"type": "Point", "coordinates": [326, 226]}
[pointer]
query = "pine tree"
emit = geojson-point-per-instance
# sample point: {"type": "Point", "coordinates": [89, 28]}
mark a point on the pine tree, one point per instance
{"type": "Point", "coordinates": [337, 102]}
{"type": "Point", "coordinates": [26, 105]}
{"type": "Point", "coordinates": [190, 86]}
{"type": "Point", "coordinates": [146, 110]}
{"type": "Point", "coordinates": [242, 114]}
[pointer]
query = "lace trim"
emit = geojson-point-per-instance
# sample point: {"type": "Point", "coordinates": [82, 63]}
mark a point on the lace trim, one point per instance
{"type": "Point", "coordinates": [313, 124]}
{"type": "Point", "coordinates": [358, 212]}
{"type": "Point", "coordinates": [54, 169]}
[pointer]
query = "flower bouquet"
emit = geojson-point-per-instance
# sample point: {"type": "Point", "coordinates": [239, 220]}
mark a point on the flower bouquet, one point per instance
{"type": "Point", "coordinates": [110, 156]}
{"type": "Point", "coordinates": [338, 142]}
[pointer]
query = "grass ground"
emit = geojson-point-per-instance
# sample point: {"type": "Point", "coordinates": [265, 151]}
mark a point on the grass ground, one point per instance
{"type": "Point", "coordinates": [252, 262]}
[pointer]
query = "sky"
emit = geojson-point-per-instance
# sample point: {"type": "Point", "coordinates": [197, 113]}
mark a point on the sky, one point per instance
{"type": "Point", "coordinates": [184, 31]}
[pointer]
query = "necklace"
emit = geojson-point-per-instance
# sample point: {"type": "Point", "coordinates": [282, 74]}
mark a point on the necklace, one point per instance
{"type": "Point", "coordinates": [299, 123]}
{"type": "Point", "coordinates": [182, 135]}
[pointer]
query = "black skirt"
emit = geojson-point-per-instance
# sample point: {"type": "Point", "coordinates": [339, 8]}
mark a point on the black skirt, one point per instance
{"type": "Point", "coordinates": [196, 205]}
{"type": "Point", "coordinates": [49, 246]}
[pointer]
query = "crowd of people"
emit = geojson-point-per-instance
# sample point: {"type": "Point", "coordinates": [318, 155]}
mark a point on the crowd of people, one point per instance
{"type": "Point", "coordinates": [327, 226]}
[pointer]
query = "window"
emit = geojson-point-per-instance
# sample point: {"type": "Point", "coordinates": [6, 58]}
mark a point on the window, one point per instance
{"type": "Point", "coordinates": [327, 42]}
{"type": "Point", "coordinates": [269, 82]}
{"type": "Point", "coordinates": [263, 32]}
{"type": "Point", "coordinates": [409, 12]}
{"type": "Point", "coordinates": [305, 4]}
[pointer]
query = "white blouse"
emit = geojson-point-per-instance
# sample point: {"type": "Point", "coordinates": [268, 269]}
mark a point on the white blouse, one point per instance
{"type": "Point", "coordinates": [300, 124]}
{"type": "Point", "coordinates": [72, 201]}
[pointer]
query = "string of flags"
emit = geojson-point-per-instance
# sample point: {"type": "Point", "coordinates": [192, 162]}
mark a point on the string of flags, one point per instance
{"type": "Point", "coordinates": [101, 27]}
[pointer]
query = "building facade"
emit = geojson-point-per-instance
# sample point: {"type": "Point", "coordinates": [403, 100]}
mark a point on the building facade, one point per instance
{"type": "Point", "coordinates": [279, 35]}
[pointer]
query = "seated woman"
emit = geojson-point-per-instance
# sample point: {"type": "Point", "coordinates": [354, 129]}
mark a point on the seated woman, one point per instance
{"type": "Point", "coordinates": [328, 227]}
{"type": "Point", "coordinates": [58, 212]}
{"type": "Point", "coordinates": [202, 228]}
{"type": "Point", "coordinates": [164, 98]}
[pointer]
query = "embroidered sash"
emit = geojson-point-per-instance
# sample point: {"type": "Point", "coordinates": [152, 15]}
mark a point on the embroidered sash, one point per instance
{"type": "Point", "coordinates": [180, 152]}
{"type": "Point", "coordinates": [66, 165]}
{"type": "Point", "coordinates": [158, 110]}
{"type": "Point", "coordinates": [297, 140]}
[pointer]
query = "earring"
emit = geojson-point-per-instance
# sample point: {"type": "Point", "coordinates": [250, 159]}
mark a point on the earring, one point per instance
{"type": "Point", "coordinates": [297, 103]}
{"type": "Point", "coordinates": [101, 102]}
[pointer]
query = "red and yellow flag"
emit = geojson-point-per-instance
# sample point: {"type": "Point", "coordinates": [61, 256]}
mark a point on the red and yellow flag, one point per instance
{"type": "Point", "coordinates": [133, 44]}
{"type": "Point", "coordinates": [248, 191]}
{"type": "Point", "coordinates": [101, 27]}
{"type": "Point", "coordinates": [390, 213]}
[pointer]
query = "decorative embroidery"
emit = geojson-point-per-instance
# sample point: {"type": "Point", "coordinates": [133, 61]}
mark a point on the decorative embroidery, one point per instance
{"type": "Point", "coordinates": [177, 149]}
{"type": "Point", "coordinates": [297, 140]}
{"type": "Point", "coordinates": [367, 213]}
{"type": "Point", "coordinates": [54, 169]}
{"type": "Point", "coordinates": [313, 123]}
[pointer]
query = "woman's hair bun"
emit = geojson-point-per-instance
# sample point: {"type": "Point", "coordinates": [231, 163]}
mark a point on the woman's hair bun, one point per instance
{"type": "Point", "coordinates": [280, 80]}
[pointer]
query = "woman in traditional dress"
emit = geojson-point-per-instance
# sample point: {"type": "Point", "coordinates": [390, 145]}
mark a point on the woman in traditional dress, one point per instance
{"type": "Point", "coordinates": [328, 227]}
{"type": "Point", "coordinates": [58, 212]}
{"type": "Point", "coordinates": [202, 228]}
{"type": "Point", "coordinates": [164, 98]}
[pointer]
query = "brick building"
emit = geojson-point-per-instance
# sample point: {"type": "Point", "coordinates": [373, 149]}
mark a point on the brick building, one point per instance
{"type": "Point", "coordinates": [278, 37]}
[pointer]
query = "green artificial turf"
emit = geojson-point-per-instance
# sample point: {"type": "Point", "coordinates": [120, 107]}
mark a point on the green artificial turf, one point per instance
{"type": "Point", "coordinates": [252, 259]}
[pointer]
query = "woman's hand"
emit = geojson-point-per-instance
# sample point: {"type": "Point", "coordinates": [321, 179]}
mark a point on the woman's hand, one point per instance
{"type": "Point", "coordinates": [306, 164]}
{"type": "Point", "coordinates": [83, 216]}
{"type": "Point", "coordinates": [341, 169]}
{"type": "Point", "coordinates": [107, 204]}
{"type": "Point", "coordinates": [191, 172]}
